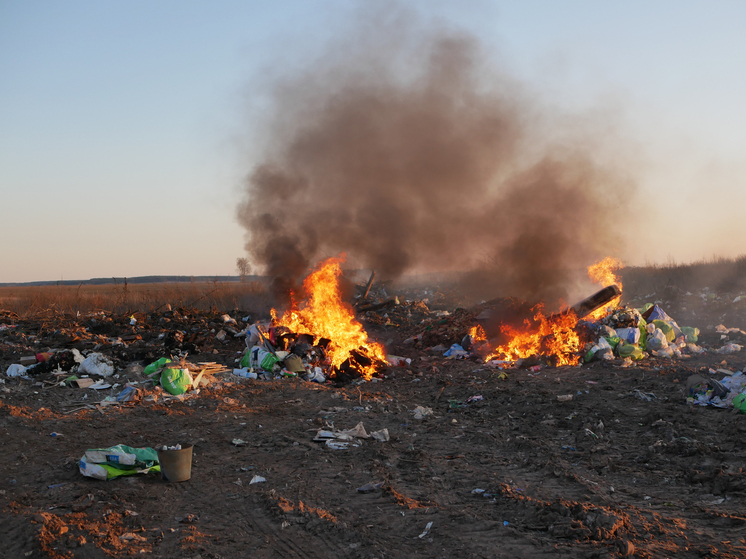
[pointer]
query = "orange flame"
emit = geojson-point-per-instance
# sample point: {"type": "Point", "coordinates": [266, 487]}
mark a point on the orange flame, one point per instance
{"type": "Point", "coordinates": [477, 334]}
{"type": "Point", "coordinates": [324, 315]}
{"type": "Point", "coordinates": [602, 272]}
{"type": "Point", "coordinates": [551, 336]}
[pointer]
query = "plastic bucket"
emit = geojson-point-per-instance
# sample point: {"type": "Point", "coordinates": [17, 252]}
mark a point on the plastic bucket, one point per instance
{"type": "Point", "coordinates": [176, 465]}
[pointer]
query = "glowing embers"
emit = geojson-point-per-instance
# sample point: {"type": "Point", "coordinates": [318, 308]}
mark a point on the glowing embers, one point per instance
{"type": "Point", "coordinates": [324, 316]}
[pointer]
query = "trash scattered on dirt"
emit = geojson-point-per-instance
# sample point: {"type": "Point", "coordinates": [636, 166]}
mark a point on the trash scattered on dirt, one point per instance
{"type": "Point", "coordinates": [710, 392]}
{"type": "Point", "coordinates": [370, 487]}
{"type": "Point", "coordinates": [15, 370]}
{"type": "Point", "coordinates": [422, 412]}
{"type": "Point", "coordinates": [623, 431]}
{"type": "Point", "coordinates": [96, 364]}
{"type": "Point", "coordinates": [119, 460]}
{"type": "Point", "coordinates": [381, 435]}
{"type": "Point", "coordinates": [426, 531]}
{"type": "Point", "coordinates": [340, 439]}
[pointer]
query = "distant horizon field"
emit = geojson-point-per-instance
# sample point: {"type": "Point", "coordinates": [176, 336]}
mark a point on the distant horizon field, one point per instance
{"type": "Point", "coordinates": [253, 295]}
{"type": "Point", "coordinates": [670, 265]}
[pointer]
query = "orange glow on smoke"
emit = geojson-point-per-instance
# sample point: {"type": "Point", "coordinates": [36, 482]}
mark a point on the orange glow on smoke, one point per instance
{"type": "Point", "coordinates": [602, 272]}
{"type": "Point", "coordinates": [550, 336]}
{"type": "Point", "coordinates": [324, 315]}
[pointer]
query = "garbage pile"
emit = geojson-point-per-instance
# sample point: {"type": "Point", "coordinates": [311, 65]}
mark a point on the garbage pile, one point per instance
{"type": "Point", "coordinates": [317, 339]}
{"type": "Point", "coordinates": [104, 353]}
{"type": "Point", "coordinates": [277, 352]}
{"type": "Point", "coordinates": [634, 334]}
{"type": "Point", "coordinates": [729, 392]}
{"type": "Point", "coordinates": [623, 334]}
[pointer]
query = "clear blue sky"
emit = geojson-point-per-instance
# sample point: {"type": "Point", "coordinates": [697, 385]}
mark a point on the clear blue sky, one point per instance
{"type": "Point", "coordinates": [126, 127]}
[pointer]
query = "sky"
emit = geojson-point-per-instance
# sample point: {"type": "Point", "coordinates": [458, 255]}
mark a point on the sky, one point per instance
{"type": "Point", "coordinates": [127, 129]}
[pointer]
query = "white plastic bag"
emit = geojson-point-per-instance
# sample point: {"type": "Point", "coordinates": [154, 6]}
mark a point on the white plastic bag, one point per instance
{"type": "Point", "coordinates": [657, 341]}
{"type": "Point", "coordinates": [96, 364]}
{"type": "Point", "coordinates": [16, 370]}
{"type": "Point", "coordinates": [729, 348]}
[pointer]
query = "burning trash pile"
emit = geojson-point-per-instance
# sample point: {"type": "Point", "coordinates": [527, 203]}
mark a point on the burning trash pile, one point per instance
{"type": "Point", "coordinates": [316, 339]}
{"type": "Point", "coordinates": [595, 329]}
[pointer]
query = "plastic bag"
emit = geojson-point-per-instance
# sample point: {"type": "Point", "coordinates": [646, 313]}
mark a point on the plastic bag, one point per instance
{"type": "Point", "coordinates": [456, 351]}
{"type": "Point", "coordinates": [666, 328]}
{"type": "Point", "coordinates": [739, 402]}
{"type": "Point", "coordinates": [729, 348]}
{"type": "Point", "coordinates": [632, 351]}
{"type": "Point", "coordinates": [120, 460]}
{"type": "Point", "coordinates": [96, 364]}
{"type": "Point", "coordinates": [666, 352]}
{"type": "Point", "coordinates": [692, 334]}
{"type": "Point", "coordinates": [629, 335]}
{"type": "Point", "coordinates": [176, 381]}
{"type": "Point", "coordinates": [657, 340]}
{"type": "Point", "coordinates": [613, 341]}
{"type": "Point", "coordinates": [601, 350]}
{"type": "Point", "coordinates": [694, 349]}
{"type": "Point", "coordinates": [642, 325]}
{"type": "Point", "coordinates": [254, 335]}
{"type": "Point", "coordinates": [261, 358]}
{"type": "Point", "coordinates": [16, 370]}
{"type": "Point", "coordinates": [156, 366]}
{"type": "Point", "coordinates": [657, 313]}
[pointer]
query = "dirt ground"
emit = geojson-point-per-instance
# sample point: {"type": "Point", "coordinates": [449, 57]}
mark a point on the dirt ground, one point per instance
{"type": "Point", "coordinates": [624, 468]}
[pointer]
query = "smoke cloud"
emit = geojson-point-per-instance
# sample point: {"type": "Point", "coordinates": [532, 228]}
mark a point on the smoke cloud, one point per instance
{"type": "Point", "coordinates": [409, 150]}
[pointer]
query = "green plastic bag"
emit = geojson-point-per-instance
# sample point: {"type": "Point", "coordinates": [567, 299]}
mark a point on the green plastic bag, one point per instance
{"type": "Point", "coordinates": [260, 357]}
{"type": "Point", "coordinates": [643, 334]}
{"type": "Point", "coordinates": [666, 328]}
{"type": "Point", "coordinates": [156, 366]}
{"type": "Point", "coordinates": [739, 402]}
{"type": "Point", "coordinates": [176, 381]}
{"type": "Point", "coordinates": [630, 350]}
{"type": "Point", "coordinates": [692, 334]}
{"type": "Point", "coordinates": [613, 341]}
{"type": "Point", "coordinates": [119, 460]}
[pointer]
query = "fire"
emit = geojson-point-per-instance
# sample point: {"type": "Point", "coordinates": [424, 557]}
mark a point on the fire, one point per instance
{"type": "Point", "coordinates": [552, 336]}
{"type": "Point", "coordinates": [602, 272]}
{"type": "Point", "coordinates": [324, 315]}
{"type": "Point", "coordinates": [477, 334]}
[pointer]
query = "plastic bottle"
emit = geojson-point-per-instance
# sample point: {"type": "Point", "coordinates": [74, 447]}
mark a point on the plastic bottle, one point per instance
{"type": "Point", "coordinates": [244, 373]}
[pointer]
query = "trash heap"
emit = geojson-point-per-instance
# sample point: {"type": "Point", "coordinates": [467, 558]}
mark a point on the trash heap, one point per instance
{"type": "Point", "coordinates": [274, 352]}
{"type": "Point", "coordinates": [277, 352]}
{"type": "Point", "coordinates": [634, 334]}
{"type": "Point", "coordinates": [622, 333]}
{"type": "Point", "coordinates": [317, 339]}
{"type": "Point", "coordinates": [729, 392]}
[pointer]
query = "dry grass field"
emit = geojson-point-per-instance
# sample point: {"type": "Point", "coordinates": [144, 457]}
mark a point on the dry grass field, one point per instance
{"type": "Point", "coordinates": [134, 297]}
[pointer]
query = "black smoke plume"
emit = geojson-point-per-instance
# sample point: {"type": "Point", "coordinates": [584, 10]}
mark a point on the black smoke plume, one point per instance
{"type": "Point", "coordinates": [408, 150]}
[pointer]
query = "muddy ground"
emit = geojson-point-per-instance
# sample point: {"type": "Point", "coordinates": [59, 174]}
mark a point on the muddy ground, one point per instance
{"type": "Point", "coordinates": [625, 468]}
